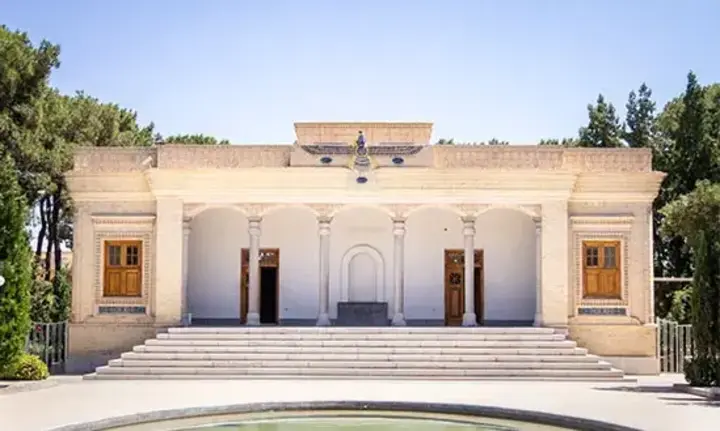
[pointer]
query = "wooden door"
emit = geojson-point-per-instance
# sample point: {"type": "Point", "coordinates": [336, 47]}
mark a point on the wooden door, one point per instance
{"type": "Point", "coordinates": [123, 272]}
{"type": "Point", "coordinates": [601, 270]}
{"type": "Point", "coordinates": [269, 257]}
{"type": "Point", "coordinates": [455, 286]}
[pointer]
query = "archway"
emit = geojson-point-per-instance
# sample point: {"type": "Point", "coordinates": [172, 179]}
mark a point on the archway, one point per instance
{"type": "Point", "coordinates": [507, 236]}
{"type": "Point", "coordinates": [361, 243]}
{"type": "Point", "coordinates": [429, 232]}
{"type": "Point", "coordinates": [217, 236]}
{"type": "Point", "coordinates": [363, 275]}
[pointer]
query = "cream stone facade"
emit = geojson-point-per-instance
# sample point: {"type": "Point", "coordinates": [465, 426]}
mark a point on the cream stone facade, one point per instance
{"type": "Point", "coordinates": [172, 235]}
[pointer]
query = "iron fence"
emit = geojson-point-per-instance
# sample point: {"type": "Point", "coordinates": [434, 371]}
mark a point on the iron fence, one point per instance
{"type": "Point", "coordinates": [49, 341]}
{"type": "Point", "coordinates": [674, 345]}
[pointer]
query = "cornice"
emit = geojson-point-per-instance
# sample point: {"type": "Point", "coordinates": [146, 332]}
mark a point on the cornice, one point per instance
{"type": "Point", "coordinates": [602, 222]}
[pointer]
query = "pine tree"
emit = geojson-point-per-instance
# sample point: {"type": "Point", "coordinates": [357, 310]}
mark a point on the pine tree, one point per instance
{"type": "Point", "coordinates": [603, 129]}
{"type": "Point", "coordinates": [15, 265]}
{"type": "Point", "coordinates": [640, 118]}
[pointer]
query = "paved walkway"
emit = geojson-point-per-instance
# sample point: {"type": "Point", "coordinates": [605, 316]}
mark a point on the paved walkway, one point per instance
{"type": "Point", "coordinates": [650, 404]}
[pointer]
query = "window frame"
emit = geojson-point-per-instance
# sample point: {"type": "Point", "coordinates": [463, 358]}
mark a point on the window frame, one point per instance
{"type": "Point", "coordinates": [124, 244]}
{"type": "Point", "coordinates": [601, 245]}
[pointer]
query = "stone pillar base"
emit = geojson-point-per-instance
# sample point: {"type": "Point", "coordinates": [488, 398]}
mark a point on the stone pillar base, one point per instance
{"type": "Point", "coordinates": [323, 320]}
{"type": "Point", "coordinates": [469, 319]}
{"type": "Point", "coordinates": [253, 319]}
{"type": "Point", "coordinates": [398, 320]}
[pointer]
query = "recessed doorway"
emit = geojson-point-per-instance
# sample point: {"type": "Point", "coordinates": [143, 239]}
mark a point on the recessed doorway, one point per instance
{"type": "Point", "coordinates": [269, 285]}
{"type": "Point", "coordinates": [455, 286]}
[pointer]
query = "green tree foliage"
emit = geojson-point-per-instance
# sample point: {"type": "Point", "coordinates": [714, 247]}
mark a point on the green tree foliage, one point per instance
{"type": "Point", "coordinates": [686, 148]}
{"type": "Point", "coordinates": [564, 142]}
{"type": "Point", "coordinates": [603, 129]}
{"type": "Point", "coordinates": [640, 118]}
{"type": "Point", "coordinates": [194, 140]}
{"type": "Point", "coordinates": [443, 141]}
{"type": "Point", "coordinates": [15, 265]}
{"type": "Point", "coordinates": [694, 217]}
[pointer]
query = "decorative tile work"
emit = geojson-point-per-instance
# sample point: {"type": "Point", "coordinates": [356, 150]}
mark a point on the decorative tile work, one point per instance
{"type": "Point", "coordinates": [123, 227]}
{"type": "Point", "coordinates": [602, 311]}
{"type": "Point", "coordinates": [608, 235]}
{"type": "Point", "coordinates": [122, 309]}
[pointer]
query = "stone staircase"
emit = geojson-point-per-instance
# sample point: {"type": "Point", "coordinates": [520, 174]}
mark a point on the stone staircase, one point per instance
{"type": "Point", "coordinates": [343, 352]}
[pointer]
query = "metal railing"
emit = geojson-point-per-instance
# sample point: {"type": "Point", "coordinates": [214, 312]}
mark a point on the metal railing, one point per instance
{"type": "Point", "coordinates": [49, 341]}
{"type": "Point", "coordinates": [674, 345]}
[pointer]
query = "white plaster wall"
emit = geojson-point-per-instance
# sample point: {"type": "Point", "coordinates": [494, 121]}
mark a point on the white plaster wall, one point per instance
{"type": "Point", "coordinates": [429, 231]}
{"type": "Point", "coordinates": [294, 231]}
{"type": "Point", "coordinates": [217, 237]}
{"type": "Point", "coordinates": [508, 238]}
{"type": "Point", "coordinates": [352, 227]}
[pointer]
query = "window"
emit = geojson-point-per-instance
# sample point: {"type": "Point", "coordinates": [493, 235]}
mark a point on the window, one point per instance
{"type": "Point", "coordinates": [601, 270]}
{"type": "Point", "coordinates": [123, 268]}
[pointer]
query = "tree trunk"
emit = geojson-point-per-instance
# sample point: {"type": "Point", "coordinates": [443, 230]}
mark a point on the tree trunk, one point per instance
{"type": "Point", "coordinates": [57, 205]}
{"type": "Point", "coordinates": [51, 234]}
{"type": "Point", "coordinates": [42, 231]}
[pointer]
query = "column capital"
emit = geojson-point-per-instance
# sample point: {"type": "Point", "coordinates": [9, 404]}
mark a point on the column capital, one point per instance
{"type": "Point", "coordinates": [468, 220]}
{"type": "Point", "coordinates": [399, 226]}
{"type": "Point", "coordinates": [254, 225]}
{"type": "Point", "coordinates": [468, 225]}
{"type": "Point", "coordinates": [324, 226]}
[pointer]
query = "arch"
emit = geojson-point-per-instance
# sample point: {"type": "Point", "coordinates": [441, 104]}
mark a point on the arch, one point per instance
{"type": "Point", "coordinates": [348, 207]}
{"type": "Point", "coordinates": [195, 211]}
{"type": "Point", "coordinates": [347, 258]}
{"type": "Point", "coordinates": [519, 208]}
{"type": "Point", "coordinates": [279, 207]}
{"type": "Point", "coordinates": [443, 207]}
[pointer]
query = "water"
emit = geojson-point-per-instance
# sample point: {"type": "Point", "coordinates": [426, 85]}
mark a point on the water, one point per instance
{"type": "Point", "coordinates": [353, 421]}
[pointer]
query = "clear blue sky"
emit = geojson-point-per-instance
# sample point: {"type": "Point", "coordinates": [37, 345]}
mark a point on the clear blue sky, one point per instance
{"type": "Point", "coordinates": [245, 70]}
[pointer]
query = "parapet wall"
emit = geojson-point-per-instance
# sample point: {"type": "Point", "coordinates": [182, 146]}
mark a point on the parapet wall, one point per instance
{"type": "Point", "coordinates": [506, 157]}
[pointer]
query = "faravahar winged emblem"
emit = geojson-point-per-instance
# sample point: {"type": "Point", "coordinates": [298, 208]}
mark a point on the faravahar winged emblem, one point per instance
{"type": "Point", "coordinates": [361, 155]}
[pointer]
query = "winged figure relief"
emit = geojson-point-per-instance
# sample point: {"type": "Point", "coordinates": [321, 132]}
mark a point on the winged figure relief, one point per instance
{"type": "Point", "coordinates": [361, 155]}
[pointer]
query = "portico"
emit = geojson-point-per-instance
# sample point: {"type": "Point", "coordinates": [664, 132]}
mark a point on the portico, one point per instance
{"type": "Point", "coordinates": [457, 235]}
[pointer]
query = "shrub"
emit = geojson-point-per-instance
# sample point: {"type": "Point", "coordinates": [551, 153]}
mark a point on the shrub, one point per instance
{"type": "Point", "coordinates": [26, 367]}
{"type": "Point", "coordinates": [703, 371]}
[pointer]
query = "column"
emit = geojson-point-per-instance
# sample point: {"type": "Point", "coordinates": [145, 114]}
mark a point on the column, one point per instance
{"type": "Point", "coordinates": [253, 314]}
{"type": "Point", "coordinates": [186, 251]}
{"type": "Point", "coordinates": [555, 264]}
{"type": "Point", "coordinates": [324, 272]}
{"type": "Point", "coordinates": [469, 318]}
{"type": "Point", "coordinates": [538, 272]}
{"type": "Point", "coordinates": [168, 260]}
{"type": "Point", "coordinates": [399, 272]}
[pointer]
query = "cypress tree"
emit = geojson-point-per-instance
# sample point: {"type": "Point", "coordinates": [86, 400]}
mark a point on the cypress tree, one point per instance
{"type": "Point", "coordinates": [15, 265]}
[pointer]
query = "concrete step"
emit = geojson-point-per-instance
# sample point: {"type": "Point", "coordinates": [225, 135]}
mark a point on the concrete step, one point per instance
{"type": "Point", "coordinates": [294, 356]}
{"type": "Point", "coordinates": [274, 349]}
{"type": "Point", "coordinates": [204, 365]}
{"type": "Point", "coordinates": [349, 336]}
{"type": "Point", "coordinates": [584, 379]}
{"type": "Point", "coordinates": [359, 330]}
{"type": "Point", "coordinates": [386, 372]}
{"type": "Point", "coordinates": [403, 353]}
{"type": "Point", "coordinates": [362, 343]}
